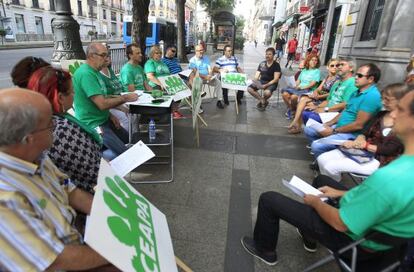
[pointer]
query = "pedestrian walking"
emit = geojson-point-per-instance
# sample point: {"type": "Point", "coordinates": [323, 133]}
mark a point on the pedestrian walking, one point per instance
{"type": "Point", "coordinates": [292, 46]}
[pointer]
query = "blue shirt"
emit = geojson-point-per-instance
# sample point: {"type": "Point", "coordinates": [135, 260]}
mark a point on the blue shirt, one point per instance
{"type": "Point", "coordinates": [309, 75]}
{"type": "Point", "coordinates": [368, 101]}
{"type": "Point", "coordinates": [173, 65]}
{"type": "Point", "coordinates": [202, 65]}
{"type": "Point", "coordinates": [230, 64]}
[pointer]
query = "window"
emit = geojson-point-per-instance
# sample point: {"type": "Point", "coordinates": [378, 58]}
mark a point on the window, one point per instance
{"type": "Point", "coordinates": [113, 28]}
{"type": "Point", "coordinates": [35, 4]}
{"type": "Point", "coordinates": [39, 25]}
{"type": "Point", "coordinates": [372, 20]}
{"type": "Point", "coordinates": [104, 14]}
{"type": "Point", "coordinates": [20, 23]}
{"type": "Point", "coordinates": [80, 7]}
{"type": "Point", "coordinates": [113, 16]}
{"type": "Point", "coordinates": [121, 18]}
{"type": "Point", "coordinates": [52, 5]}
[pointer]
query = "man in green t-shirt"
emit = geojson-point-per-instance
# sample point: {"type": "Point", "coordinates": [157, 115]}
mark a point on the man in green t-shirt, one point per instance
{"type": "Point", "coordinates": [92, 102]}
{"type": "Point", "coordinates": [132, 74]}
{"type": "Point", "coordinates": [384, 202]}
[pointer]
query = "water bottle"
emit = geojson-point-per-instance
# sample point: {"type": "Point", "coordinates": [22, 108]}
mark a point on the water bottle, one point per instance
{"type": "Point", "coordinates": [151, 131]}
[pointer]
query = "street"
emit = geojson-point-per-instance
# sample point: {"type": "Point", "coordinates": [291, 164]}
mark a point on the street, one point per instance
{"type": "Point", "coordinates": [8, 58]}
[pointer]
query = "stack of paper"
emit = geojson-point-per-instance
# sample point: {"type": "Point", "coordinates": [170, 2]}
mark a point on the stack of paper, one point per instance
{"type": "Point", "coordinates": [302, 188]}
{"type": "Point", "coordinates": [315, 125]}
{"type": "Point", "coordinates": [327, 116]}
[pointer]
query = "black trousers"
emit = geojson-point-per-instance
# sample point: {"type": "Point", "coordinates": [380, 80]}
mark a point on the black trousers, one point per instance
{"type": "Point", "coordinates": [226, 95]}
{"type": "Point", "coordinates": [274, 206]}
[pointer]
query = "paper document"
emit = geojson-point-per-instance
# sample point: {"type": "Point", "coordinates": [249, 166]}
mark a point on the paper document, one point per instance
{"type": "Point", "coordinates": [330, 141]}
{"type": "Point", "coordinates": [182, 95]}
{"type": "Point", "coordinates": [315, 125]}
{"type": "Point", "coordinates": [302, 188]}
{"type": "Point", "coordinates": [290, 81]}
{"type": "Point", "coordinates": [186, 73]}
{"type": "Point", "coordinates": [131, 159]}
{"type": "Point", "coordinates": [327, 116]}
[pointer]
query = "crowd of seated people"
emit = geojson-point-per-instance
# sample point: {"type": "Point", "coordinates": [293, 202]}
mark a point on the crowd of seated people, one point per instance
{"type": "Point", "coordinates": [68, 150]}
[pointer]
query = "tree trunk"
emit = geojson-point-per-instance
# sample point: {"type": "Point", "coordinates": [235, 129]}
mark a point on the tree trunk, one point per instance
{"type": "Point", "coordinates": [140, 13]}
{"type": "Point", "coordinates": [181, 51]}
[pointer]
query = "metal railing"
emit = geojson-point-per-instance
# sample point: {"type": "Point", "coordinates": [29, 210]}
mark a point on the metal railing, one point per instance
{"type": "Point", "coordinates": [118, 58]}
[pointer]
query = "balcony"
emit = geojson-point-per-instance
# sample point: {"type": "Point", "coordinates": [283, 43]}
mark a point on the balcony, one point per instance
{"type": "Point", "coordinates": [92, 15]}
{"type": "Point", "coordinates": [320, 6]}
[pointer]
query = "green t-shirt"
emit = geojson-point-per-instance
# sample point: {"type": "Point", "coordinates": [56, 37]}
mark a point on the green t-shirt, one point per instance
{"type": "Point", "coordinates": [383, 202]}
{"type": "Point", "coordinates": [158, 68]}
{"type": "Point", "coordinates": [112, 83]}
{"type": "Point", "coordinates": [88, 82]}
{"type": "Point", "coordinates": [131, 74]}
{"type": "Point", "coordinates": [307, 76]}
{"type": "Point", "coordinates": [341, 91]}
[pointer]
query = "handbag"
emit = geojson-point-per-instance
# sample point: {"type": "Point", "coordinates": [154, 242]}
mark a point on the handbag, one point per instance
{"type": "Point", "coordinates": [357, 155]}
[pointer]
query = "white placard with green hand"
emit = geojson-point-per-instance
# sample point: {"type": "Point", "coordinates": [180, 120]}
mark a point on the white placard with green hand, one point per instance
{"type": "Point", "coordinates": [126, 229]}
{"type": "Point", "coordinates": [174, 85]}
{"type": "Point", "coordinates": [234, 81]}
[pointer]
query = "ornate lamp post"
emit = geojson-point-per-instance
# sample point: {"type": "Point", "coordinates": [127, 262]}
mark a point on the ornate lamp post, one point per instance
{"type": "Point", "coordinates": [67, 42]}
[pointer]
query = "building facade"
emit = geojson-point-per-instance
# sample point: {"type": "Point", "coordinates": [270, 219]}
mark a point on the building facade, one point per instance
{"type": "Point", "coordinates": [30, 20]}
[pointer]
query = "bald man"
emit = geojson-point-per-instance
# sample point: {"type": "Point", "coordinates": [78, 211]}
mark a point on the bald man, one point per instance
{"type": "Point", "coordinates": [37, 201]}
{"type": "Point", "coordinates": [92, 102]}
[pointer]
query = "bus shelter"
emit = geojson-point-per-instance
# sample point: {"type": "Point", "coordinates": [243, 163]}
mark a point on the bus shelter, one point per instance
{"type": "Point", "coordinates": [225, 28]}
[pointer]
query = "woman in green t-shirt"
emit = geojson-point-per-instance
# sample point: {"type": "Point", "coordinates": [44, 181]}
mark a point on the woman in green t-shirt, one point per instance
{"type": "Point", "coordinates": [155, 68]}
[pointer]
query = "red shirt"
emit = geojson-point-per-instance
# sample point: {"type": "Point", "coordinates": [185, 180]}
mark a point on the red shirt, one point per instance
{"type": "Point", "coordinates": [292, 45]}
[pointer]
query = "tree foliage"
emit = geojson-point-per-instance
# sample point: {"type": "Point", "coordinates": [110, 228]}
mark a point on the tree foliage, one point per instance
{"type": "Point", "coordinates": [212, 5]}
{"type": "Point", "coordinates": [140, 11]}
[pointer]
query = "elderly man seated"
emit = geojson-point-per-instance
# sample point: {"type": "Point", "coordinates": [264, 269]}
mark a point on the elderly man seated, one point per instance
{"type": "Point", "coordinates": [37, 201]}
{"type": "Point", "coordinates": [384, 202]}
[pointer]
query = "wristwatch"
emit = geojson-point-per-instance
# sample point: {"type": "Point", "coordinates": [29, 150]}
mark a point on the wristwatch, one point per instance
{"type": "Point", "coordinates": [334, 131]}
{"type": "Point", "coordinates": [326, 109]}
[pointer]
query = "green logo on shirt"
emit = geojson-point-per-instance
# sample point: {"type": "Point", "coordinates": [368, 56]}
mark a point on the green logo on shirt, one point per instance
{"type": "Point", "coordinates": [42, 203]}
{"type": "Point", "coordinates": [132, 225]}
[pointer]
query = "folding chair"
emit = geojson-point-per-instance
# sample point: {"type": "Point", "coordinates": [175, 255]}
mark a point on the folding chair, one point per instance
{"type": "Point", "coordinates": [398, 243]}
{"type": "Point", "coordinates": [357, 178]}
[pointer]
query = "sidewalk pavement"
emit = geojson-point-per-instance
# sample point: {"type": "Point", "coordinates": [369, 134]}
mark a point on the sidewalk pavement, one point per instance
{"type": "Point", "coordinates": [213, 199]}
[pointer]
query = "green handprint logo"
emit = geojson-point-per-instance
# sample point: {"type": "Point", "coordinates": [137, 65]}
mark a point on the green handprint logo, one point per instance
{"type": "Point", "coordinates": [174, 85]}
{"type": "Point", "coordinates": [235, 79]}
{"type": "Point", "coordinates": [132, 225]}
{"type": "Point", "coordinates": [73, 67]}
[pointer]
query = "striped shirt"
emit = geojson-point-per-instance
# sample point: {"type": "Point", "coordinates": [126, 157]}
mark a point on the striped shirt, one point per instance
{"type": "Point", "coordinates": [36, 219]}
{"type": "Point", "coordinates": [230, 64]}
{"type": "Point", "coordinates": [173, 65]}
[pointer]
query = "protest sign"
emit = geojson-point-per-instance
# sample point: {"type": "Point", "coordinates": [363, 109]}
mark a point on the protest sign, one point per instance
{"type": "Point", "coordinates": [126, 229]}
{"type": "Point", "coordinates": [174, 85]}
{"type": "Point", "coordinates": [234, 81]}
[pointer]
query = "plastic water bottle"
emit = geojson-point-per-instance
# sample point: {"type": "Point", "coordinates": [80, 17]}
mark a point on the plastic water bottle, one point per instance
{"type": "Point", "coordinates": [151, 131]}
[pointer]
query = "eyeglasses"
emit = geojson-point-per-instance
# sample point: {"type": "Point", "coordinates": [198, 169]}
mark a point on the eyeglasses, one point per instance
{"type": "Point", "coordinates": [60, 78]}
{"type": "Point", "coordinates": [157, 52]}
{"type": "Point", "coordinates": [51, 126]}
{"type": "Point", "coordinates": [335, 65]}
{"type": "Point", "coordinates": [358, 75]}
{"type": "Point", "coordinates": [102, 55]}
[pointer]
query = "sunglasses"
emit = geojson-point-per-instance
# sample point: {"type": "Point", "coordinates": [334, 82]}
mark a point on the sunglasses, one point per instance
{"type": "Point", "coordinates": [335, 65]}
{"type": "Point", "coordinates": [358, 75]}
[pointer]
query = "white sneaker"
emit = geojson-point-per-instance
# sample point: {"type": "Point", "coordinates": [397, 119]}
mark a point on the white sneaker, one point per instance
{"type": "Point", "coordinates": [200, 111]}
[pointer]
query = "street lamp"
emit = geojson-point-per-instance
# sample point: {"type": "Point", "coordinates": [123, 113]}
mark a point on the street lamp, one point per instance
{"type": "Point", "coordinates": [67, 42]}
{"type": "Point", "coordinates": [211, 22]}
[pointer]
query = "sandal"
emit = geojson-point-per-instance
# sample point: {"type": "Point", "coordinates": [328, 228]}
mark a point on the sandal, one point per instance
{"type": "Point", "coordinates": [294, 130]}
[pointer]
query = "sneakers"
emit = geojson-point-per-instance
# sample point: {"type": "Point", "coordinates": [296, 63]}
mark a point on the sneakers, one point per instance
{"type": "Point", "coordinates": [220, 105]}
{"type": "Point", "coordinates": [308, 244]}
{"type": "Point", "coordinates": [314, 166]}
{"type": "Point", "coordinates": [200, 111]}
{"type": "Point", "coordinates": [226, 102]}
{"type": "Point", "coordinates": [288, 114]}
{"type": "Point", "coordinates": [203, 94]}
{"type": "Point", "coordinates": [308, 146]}
{"type": "Point", "coordinates": [177, 115]}
{"type": "Point", "coordinates": [249, 245]}
{"type": "Point", "coordinates": [260, 107]}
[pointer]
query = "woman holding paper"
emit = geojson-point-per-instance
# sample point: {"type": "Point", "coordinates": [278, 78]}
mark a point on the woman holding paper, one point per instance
{"type": "Point", "coordinates": [307, 82]}
{"type": "Point", "coordinates": [377, 139]}
{"type": "Point", "coordinates": [312, 100]}
{"type": "Point", "coordinates": [155, 68]}
{"type": "Point", "coordinates": [76, 148]}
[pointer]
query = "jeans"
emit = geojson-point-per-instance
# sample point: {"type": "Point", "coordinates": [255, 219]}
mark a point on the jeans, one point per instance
{"type": "Point", "coordinates": [306, 115]}
{"type": "Point", "coordinates": [274, 206]}
{"type": "Point", "coordinates": [114, 138]}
